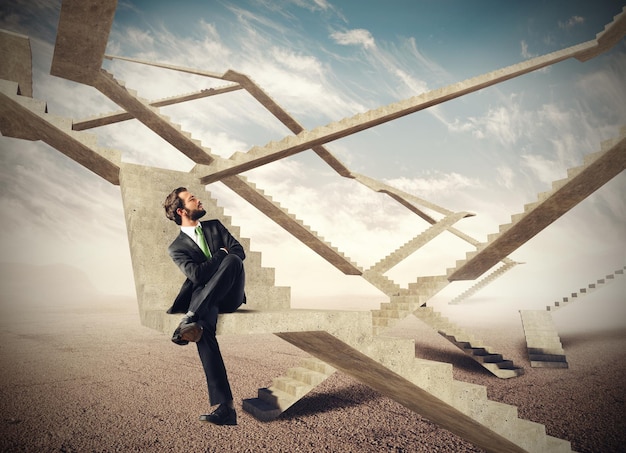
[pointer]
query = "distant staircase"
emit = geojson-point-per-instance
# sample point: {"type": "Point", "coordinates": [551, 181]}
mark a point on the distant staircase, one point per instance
{"type": "Point", "coordinates": [508, 265]}
{"type": "Point", "coordinates": [597, 169]}
{"type": "Point", "coordinates": [584, 291]}
{"type": "Point", "coordinates": [416, 243]}
{"type": "Point", "coordinates": [414, 302]}
{"type": "Point", "coordinates": [542, 339]}
{"type": "Point", "coordinates": [474, 348]}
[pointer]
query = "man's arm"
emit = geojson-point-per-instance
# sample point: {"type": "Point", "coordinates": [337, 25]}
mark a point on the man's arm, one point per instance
{"type": "Point", "coordinates": [198, 273]}
{"type": "Point", "coordinates": [231, 244]}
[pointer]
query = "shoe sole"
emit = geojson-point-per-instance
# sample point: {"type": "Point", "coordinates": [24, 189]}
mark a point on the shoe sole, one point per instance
{"type": "Point", "coordinates": [205, 418]}
{"type": "Point", "coordinates": [191, 332]}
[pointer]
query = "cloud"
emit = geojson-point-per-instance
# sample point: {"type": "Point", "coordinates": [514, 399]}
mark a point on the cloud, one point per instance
{"type": "Point", "coordinates": [415, 86]}
{"type": "Point", "coordinates": [429, 64]}
{"type": "Point", "coordinates": [355, 37]}
{"type": "Point", "coordinates": [39, 17]}
{"type": "Point", "coordinates": [525, 52]}
{"type": "Point", "coordinates": [253, 45]}
{"type": "Point", "coordinates": [571, 22]}
{"type": "Point", "coordinates": [505, 176]}
{"type": "Point", "coordinates": [544, 169]}
{"type": "Point", "coordinates": [64, 214]}
{"type": "Point", "coordinates": [503, 123]}
{"type": "Point", "coordinates": [141, 39]}
{"type": "Point", "coordinates": [434, 183]}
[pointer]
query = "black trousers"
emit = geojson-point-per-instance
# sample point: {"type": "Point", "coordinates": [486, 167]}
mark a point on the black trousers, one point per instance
{"type": "Point", "coordinates": [224, 293]}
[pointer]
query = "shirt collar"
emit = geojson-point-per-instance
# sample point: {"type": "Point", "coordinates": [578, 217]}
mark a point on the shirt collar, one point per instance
{"type": "Point", "coordinates": [190, 231]}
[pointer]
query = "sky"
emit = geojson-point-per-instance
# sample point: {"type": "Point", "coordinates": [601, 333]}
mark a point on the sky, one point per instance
{"type": "Point", "coordinates": [488, 153]}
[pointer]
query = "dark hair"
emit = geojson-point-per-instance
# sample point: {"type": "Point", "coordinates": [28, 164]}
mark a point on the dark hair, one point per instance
{"type": "Point", "coordinates": [172, 203]}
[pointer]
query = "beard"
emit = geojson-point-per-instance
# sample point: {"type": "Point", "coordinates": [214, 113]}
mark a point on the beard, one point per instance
{"type": "Point", "coordinates": [195, 214]}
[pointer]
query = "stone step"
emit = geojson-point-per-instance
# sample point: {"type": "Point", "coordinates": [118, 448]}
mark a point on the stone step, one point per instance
{"type": "Point", "coordinates": [293, 387]}
{"type": "Point", "coordinates": [309, 377]}
{"type": "Point", "coordinates": [261, 409]}
{"type": "Point", "coordinates": [555, 445]}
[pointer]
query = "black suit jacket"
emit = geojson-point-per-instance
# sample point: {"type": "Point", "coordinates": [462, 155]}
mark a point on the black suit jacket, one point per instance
{"type": "Point", "coordinates": [194, 264]}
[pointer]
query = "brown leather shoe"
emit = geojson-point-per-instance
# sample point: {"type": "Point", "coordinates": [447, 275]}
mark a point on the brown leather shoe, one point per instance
{"type": "Point", "coordinates": [187, 332]}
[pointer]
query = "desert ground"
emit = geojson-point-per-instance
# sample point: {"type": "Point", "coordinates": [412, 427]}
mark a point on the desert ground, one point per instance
{"type": "Point", "coordinates": [80, 374]}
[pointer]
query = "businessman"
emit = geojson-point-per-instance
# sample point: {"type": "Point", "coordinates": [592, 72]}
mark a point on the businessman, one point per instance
{"type": "Point", "coordinates": [212, 260]}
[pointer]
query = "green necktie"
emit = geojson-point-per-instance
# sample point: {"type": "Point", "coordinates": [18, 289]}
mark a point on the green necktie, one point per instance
{"type": "Point", "coordinates": [202, 241]}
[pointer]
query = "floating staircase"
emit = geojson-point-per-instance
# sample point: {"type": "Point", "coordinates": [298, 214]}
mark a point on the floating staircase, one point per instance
{"type": "Point", "coordinates": [406, 301]}
{"type": "Point", "coordinates": [584, 291]}
{"type": "Point", "coordinates": [414, 302]}
{"type": "Point", "coordinates": [151, 117]}
{"type": "Point", "coordinates": [470, 345]}
{"type": "Point", "coordinates": [123, 115]}
{"type": "Point", "coordinates": [27, 118]}
{"type": "Point", "coordinates": [431, 386]}
{"type": "Point", "coordinates": [307, 139]}
{"type": "Point", "coordinates": [508, 265]}
{"type": "Point", "coordinates": [389, 365]}
{"type": "Point", "coordinates": [597, 169]}
{"type": "Point", "coordinates": [173, 133]}
{"type": "Point", "coordinates": [542, 339]}
{"type": "Point", "coordinates": [264, 203]}
{"type": "Point", "coordinates": [416, 243]}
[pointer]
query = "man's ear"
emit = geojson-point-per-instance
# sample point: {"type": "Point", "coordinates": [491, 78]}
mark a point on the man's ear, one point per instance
{"type": "Point", "coordinates": [180, 212]}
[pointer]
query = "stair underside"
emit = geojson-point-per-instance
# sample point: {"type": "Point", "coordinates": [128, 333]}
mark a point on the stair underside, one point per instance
{"type": "Point", "coordinates": [352, 362]}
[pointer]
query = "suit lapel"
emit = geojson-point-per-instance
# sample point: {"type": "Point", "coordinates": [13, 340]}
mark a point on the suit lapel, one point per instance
{"type": "Point", "coordinates": [185, 242]}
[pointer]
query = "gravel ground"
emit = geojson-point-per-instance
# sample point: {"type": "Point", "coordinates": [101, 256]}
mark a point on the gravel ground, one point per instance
{"type": "Point", "coordinates": [91, 379]}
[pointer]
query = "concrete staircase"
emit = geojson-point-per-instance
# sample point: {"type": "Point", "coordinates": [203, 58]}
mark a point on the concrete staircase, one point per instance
{"type": "Point", "coordinates": [597, 169]}
{"type": "Point", "coordinates": [414, 302]}
{"type": "Point", "coordinates": [584, 291]}
{"type": "Point", "coordinates": [272, 209]}
{"type": "Point", "coordinates": [416, 243]}
{"type": "Point", "coordinates": [483, 282]}
{"type": "Point", "coordinates": [175, 135]}
{"type": "Point", "coordinates": [484, 355]}
{"type": "Point", "coordinates": [406, 302]}
{"type": "Point", "coordinates": [142, 188]}
{"type": "Point", "coordinates": [386, 359]}
{"type": "Point", "coordinates": [307, 139]}
{"type": "Point", "coordinates": [542, 341]}
{"type": "Point", "coordinates": [264, 407]}
{"type": "Point", "coordinates": [389, 365]}
{"type": "Point", "coordinates": [27, 118]}
{"type": "Point", "coordinates": [287, 390]}
{"type": "Point", "coordinates": [123, 115]}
